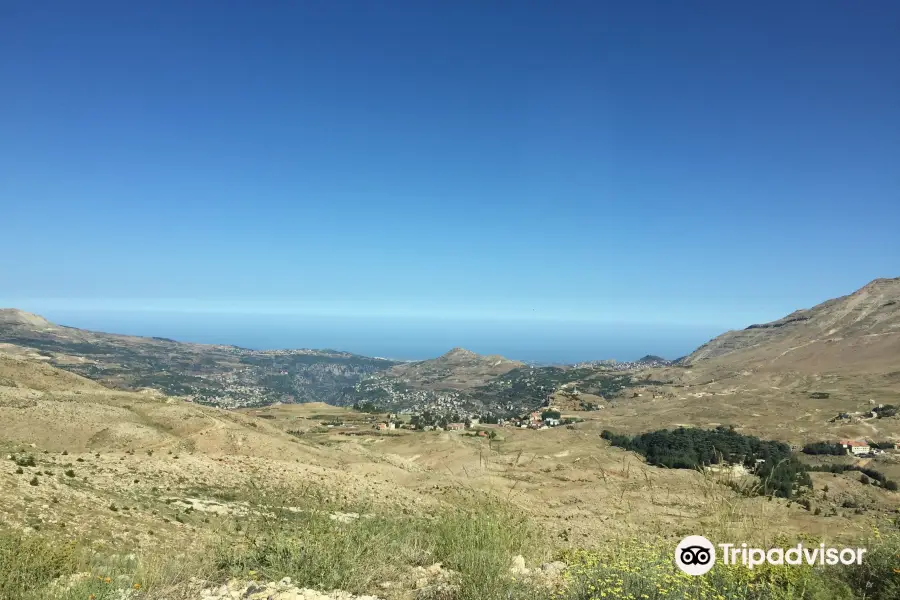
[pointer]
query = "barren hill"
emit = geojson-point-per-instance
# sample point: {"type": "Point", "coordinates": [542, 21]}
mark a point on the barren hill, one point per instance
{"type": "Point", "coordinates": [789, 379]}
{"type": "Point", "coordinates": [855, 333]}
{"type": "Point", "coordinates": [457, 369]}
{"type": "Point", "coordinates": [15, 317]}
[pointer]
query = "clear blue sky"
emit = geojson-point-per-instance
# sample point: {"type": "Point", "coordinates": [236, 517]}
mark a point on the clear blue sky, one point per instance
{"type": "Point", "coordinates": [658, 162]}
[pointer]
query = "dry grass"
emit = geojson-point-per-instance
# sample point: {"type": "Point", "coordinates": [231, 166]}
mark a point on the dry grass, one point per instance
{"type": "Point", "coordinates": [469, 503]}
{"type": "Point", "coordinates": [292, 534]}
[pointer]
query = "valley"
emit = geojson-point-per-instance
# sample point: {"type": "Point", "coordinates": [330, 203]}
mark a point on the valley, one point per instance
{"type": "Point", "coordinates": [112, 444]}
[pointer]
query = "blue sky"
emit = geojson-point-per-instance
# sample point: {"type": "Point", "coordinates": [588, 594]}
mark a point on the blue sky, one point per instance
{"type": "Point", "coordinates": [688, 163]}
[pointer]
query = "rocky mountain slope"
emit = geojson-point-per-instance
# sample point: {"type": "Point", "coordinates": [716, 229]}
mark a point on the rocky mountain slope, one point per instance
{"type": "Point", "coordinates": [225, 376]}
{"type": "Point", "coordinates": [791, 379]}
{"type": "Point", "coordinates": [855, 333]}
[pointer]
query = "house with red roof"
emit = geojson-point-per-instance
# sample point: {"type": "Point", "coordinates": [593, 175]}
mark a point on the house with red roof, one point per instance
{"type": "Point", "coordinates": [854, 447]}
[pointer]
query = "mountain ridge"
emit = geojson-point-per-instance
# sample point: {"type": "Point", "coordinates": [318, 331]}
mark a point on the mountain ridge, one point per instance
{"type": "Point", "coordinates": [867, 320]}
{"type": "Point", "coordinates": [15, 316]}
{"type": "Point", "coordinates": [215, 374]}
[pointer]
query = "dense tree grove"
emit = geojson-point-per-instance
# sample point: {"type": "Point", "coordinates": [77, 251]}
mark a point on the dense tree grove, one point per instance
{"type": "Point", "coordinates": [367, 407]}
{"type": "Point", "coordinates": [688, 448]}
{"type": "Point", "coordinates": [824, 448]}
{"type": "Point", "coordinates": [433, 419]}
{"type": "Point", "coordinates": [883, 445]}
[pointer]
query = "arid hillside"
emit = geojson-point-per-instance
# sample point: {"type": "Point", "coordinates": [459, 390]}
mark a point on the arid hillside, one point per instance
{"type": "Point", "coordinates": [193, 493]}
{"type": "Point", "coordinates": [457, 369]}
{"type": "Point", "coordinates": [859, 333]}
{"type": "Point", "coordinates": [815, 374]}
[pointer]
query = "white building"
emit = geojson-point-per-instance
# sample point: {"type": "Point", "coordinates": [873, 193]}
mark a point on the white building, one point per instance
{"type": "Point", "coordinates": [854, 447]}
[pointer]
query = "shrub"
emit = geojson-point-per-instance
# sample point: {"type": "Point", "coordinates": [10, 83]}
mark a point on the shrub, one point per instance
{"type": "Point", "coordinates": [639, 570]}
{"type": "Point", "coordinates": [70, 473]}
{"type": "Point", "coordinates": [824, 448]}
{"type": "Point", "coordinates": [29, 563]}
{"type": "Point", "coordinates": [34, 481]}
{"type": "Point", "coordinates": [876, 578]}
{"type": "Point", "coordinates": [888, 410]}
{"type": "Point", "coordinates": [25, 461]}
{"type": "Point", "coordinates": [883, 445]}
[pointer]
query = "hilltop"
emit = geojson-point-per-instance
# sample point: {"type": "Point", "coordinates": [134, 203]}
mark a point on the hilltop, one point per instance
{"type": "Point", "coordinates": [464, 384]}
{"type": "Point", "coordinates": [16, 317]}
{"type": "Point", "coordinates": [457, 369]}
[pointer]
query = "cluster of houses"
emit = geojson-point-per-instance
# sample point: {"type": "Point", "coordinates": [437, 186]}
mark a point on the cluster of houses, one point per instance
{"type": "Point", "coordinates": [876, 412]}
{"type": "Point", "coordinates": [534, 420]}
{"type": "Point", "coordinates": [390, 425]}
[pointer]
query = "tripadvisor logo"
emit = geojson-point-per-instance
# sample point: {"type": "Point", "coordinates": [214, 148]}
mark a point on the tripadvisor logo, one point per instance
{"type": "Point", "coordinates": [696, 555]}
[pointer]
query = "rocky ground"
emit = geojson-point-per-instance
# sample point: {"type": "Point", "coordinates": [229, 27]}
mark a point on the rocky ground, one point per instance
{"type": "Point", "coordinates": [281, 590]}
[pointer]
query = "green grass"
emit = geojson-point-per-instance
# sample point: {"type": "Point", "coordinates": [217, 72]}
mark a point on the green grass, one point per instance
{"type": "Point", "coordinates": [291, 534]}
{"type": "Point", "coordinates": [37, 567]}
{"type": "Point", "coordinates": [314, 550]}
{"type": "Point", "coordinates": [31, 563]}
{"type": "Point", "coordinates": [644, 570]}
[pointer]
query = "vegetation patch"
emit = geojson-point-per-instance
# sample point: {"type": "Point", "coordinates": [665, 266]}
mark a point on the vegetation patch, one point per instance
{"type": "Point", "coordinates": [871, 475]}
{"type": "Point", "coordinates": [691, 448]}
{"type": "Point", "coordinates": [644, 570]}
{"type": "Point", "coordinates": [828, 448]}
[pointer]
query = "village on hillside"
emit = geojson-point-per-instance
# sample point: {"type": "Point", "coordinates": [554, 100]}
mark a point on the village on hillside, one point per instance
{"type": "Point", "coordinates": [546, 418]}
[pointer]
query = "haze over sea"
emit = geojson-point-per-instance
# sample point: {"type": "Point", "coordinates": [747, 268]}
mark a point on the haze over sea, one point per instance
{"type": "Point", "coordinates": [541, 341]}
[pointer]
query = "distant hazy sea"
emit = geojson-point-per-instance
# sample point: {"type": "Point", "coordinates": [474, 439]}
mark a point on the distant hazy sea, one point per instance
{"type": "Point", "coordinates": [549, 342]}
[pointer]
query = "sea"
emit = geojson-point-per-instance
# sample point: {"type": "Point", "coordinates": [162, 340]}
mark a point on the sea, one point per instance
{"type": "Point", "coordinates": [533, 341]}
